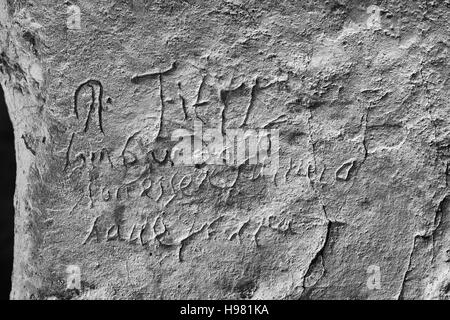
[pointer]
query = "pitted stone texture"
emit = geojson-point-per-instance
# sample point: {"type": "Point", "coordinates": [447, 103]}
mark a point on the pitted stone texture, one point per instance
{"type": "Point", "coordinates": [357, 89]}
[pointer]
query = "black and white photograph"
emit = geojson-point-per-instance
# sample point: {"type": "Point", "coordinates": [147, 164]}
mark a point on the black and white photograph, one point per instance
{"type": "Point", "coordinates": [224, 155]}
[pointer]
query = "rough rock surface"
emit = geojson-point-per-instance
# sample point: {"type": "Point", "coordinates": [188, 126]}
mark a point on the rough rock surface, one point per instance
{"type": "Point", "coordinates": [358, 91]}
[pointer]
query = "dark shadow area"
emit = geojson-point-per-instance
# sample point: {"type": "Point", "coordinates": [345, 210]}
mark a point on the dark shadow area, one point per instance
{"type": "Point", "coordinates": [7, 184]}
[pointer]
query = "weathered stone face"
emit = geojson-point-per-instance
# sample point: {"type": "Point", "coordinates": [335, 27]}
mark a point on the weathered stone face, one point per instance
{"type": "Point", "coordinates": [344, 105]}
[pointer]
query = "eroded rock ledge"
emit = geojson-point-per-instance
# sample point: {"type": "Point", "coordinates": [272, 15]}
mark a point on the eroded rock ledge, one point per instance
{"type": "Point", "coordinates": [358, 209]}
